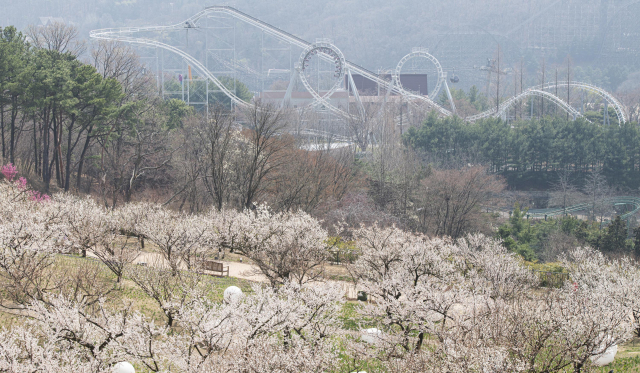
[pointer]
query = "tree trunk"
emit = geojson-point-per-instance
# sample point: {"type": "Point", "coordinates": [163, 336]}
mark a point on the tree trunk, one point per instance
{"type": "Point", "coordinates": [81, 163]}
{"type": "Point", "coordinates": [46, 170]}
{"type": "Point", "coordinates": [36, 148]}
{"type": "Point", "coordinates": [2, 130]}
{"type": "Point", "coordinates": [420, 340]}
{"type": "Point", "coordinates": [67, 173]}
{"type": "Point", "coordinates": [14, 116]}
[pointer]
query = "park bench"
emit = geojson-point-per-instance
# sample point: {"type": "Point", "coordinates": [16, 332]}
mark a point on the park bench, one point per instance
{"type": "Point", "coordinates": [218, 269]}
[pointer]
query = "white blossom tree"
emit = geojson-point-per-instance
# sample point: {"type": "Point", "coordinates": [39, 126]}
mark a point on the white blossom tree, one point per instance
{"type": "Point", "coordinates": [480, 307]}
{"type": "Point", "coordinates": [286, 246]}
{"type": "Point", "coordinates": [178, 236]}
{"type": "Point", "coordinates": [437, 304]}
{"type": "Point", "coordinates": [618, 279]}
{"type": "Point", "coordinates": [29, 232]}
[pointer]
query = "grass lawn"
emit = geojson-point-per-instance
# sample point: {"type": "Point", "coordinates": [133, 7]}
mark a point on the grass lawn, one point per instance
{"type": "Point", "coordinates": [127, 291]}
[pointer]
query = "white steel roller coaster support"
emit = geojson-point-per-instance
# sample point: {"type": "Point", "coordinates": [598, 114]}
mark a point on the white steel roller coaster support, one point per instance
{"type": "Point", "coordinates": [354, 89]}
{"type": "Point", "coordinates": [287, 95]}
{"type": "Point", "coordinates": [453, 104]}
{"type": "Point", "coordinates": [390, 86]}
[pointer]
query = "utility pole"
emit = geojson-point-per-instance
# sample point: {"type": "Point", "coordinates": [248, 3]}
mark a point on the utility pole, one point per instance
{"type": "Point", "coordinates": [498, 83]}
{"type": "Point", "coordinates": [568, 81]}
{"type": "Point", "coordinates": [515, 93]}
{"type": "Point", "coordinates": [521, 85]}
{"type": "Point", "coordinates": [556, 109]}
{"type": "Point", "coordinates": [542, 98]}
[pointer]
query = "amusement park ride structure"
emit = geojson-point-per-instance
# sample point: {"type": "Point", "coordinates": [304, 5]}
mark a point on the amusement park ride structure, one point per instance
{"type": "Point", "coordinates": [322, 51]}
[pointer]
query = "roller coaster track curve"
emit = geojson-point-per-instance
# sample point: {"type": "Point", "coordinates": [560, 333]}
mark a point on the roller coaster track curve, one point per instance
{"type": "Point", "coordinates": [633, 201]}
{"type": "Point", "coordinates": [522, 96]}
{"type": "Point", "coordinates": [197, 64]}
{"type": "Point", "coordinates": [124, 34]}
{"type": "Point", "coordinates": [617, 105]}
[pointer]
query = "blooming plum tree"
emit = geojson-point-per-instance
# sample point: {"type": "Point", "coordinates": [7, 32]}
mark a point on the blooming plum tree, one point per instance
{"type": "Point", "coordinates": [437, 304]}
{"type": "Point", "coordinates": [286, 246]}
{"type": "Point", "coordinates": [178, 236]}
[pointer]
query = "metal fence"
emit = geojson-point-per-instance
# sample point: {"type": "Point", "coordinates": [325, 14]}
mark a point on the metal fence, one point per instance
{"type": "Point", "coordinates": [552, 279]}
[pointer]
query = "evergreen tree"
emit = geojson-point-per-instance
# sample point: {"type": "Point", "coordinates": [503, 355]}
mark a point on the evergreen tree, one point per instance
{"type": "Point", "coordinates": [614, 240]}
{"type": "Point", "coordinates": [636, 242]}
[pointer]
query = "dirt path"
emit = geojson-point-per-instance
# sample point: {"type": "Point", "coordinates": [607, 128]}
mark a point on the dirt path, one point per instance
{"type": "Point", "coordinates": [238, 270]}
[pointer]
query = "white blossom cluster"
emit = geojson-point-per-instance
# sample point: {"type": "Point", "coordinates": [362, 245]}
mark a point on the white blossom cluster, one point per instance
{"type": "Point", "coordinates": [469, 305]}
{"type": "Point", "coordinates": [434, 304]}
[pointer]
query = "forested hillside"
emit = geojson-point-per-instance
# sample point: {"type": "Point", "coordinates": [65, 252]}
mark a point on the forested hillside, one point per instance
{"type": "Point", "coordinates": [533, 152]}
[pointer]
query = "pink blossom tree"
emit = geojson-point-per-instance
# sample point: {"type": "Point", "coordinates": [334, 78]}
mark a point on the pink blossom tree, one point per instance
{"type": "Point", "coordinates": [9, 171]}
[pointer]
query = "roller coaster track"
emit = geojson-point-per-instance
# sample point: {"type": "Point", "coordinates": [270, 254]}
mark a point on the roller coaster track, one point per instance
{"type": "Point", "coordinates": [618, 107]}
{"type": "Point", "coordinates": [323, 134]}
{"type": "Point", "coordinates": [540, 92]}
{"type": "Point", "coordinates": [615, 201]}
{"type": "Point", "coordinates": [193, 61]}
{"type": "Point", "coordinates": [124, 34]}
{"type": "Point", "coordinates": [522, 96]}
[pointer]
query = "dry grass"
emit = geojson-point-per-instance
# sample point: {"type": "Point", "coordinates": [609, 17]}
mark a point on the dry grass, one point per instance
{"type": "Point", "coordinates": [127, 292]}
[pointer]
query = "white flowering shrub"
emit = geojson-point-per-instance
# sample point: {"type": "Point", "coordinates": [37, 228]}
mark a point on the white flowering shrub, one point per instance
{"type": "Point", "coordinates": [285, 246]}
{"type": "Point", "coordinates": [435, 304]}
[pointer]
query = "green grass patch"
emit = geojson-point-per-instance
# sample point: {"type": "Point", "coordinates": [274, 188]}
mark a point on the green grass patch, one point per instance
{"type": "Point", "coordinates": [622, 365]}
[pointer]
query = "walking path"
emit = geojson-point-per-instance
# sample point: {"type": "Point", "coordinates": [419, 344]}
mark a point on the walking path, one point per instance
{"type": "Point", "coordinates": [238, 270]}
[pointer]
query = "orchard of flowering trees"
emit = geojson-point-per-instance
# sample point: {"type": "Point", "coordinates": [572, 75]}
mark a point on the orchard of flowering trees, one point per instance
{"type": "Point", "coordinates": [434, 304]}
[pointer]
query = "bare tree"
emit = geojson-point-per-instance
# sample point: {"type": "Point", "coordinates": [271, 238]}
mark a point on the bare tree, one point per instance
{"type": "Point", "coordinates": [188, 165]}
{"type": "Point", "coordinates": [451, 199]}
{"type": "Point", "coordinates": [115, 60]}
{"type": "Point", "coordinates": [57, 37]}
{"type": "Point", "coordinates": [217, 135]}
{"type": "Point", "coordinates": [264, 153]}
{"type": "Point", "coordinates": [310, 178]}
{"type": "Point", "coordinates": [597, 190]}
{"type": "Point", "coordinates": [629, 94]}
{"type": "Point", "coordinates": [361, 124]}
{"type": "Point", "coordinates": [564, 193]}
{"type": "Point", "coordinates": [395, 176]}
{"type": "Point", "coordinates": [133, 151]}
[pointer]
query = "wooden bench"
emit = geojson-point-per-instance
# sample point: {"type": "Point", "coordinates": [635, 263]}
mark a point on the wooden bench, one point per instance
{"type": "Point", "coordinates": [218, 268]}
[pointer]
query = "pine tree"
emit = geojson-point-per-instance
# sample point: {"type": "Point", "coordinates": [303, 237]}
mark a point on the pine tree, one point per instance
{"type": "Point", "coordinates": [615, 238]}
